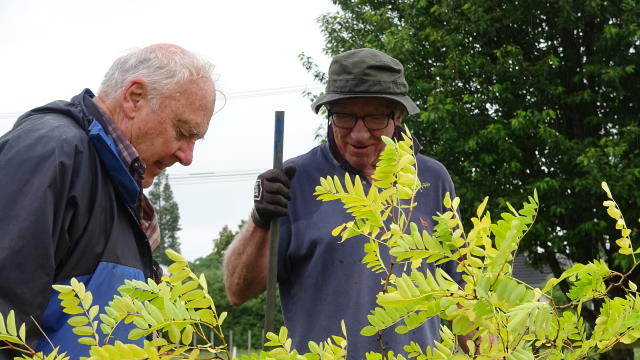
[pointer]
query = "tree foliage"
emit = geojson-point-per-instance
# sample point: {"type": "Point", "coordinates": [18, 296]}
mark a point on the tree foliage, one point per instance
{"type": "Point", "coordinates": [249, 317]}
{"type": "Point", "coordinates": [509, 319]}
{"type": "Point", "coordinates": [168, 213]}
{"type": "Point", "coordinates": [517, 96]}
{"type": "Point", "coordinates": [224, 239]}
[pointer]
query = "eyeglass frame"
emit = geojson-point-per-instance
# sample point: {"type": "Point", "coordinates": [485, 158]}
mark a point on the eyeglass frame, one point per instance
{"type": "Point", "coordinates": [390, 116]}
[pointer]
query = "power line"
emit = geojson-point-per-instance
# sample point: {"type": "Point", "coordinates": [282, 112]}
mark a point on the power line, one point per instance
{"type": "Point", "coordinates": [232, 95]}
{"type": "Point", "coordinates": [214, 177]}
{"type": "Point", "coordinates": [212, 181]}
{"type": "Point", "coordinates": [215, 174]}
{"type": "Point", "coordinates": [273, 91]}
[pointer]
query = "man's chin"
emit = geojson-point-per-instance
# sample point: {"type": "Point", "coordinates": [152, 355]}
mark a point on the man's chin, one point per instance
{"type": "Point", "coordinates": [149, 176]}
{"type": "Point", "coordinates": [362, 164]}
{"type": "Point", "coordinates": [147, 181]}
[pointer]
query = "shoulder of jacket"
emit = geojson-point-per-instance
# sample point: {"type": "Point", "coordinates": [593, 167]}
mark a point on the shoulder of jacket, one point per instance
{"type": "Point", "coordinates": [48, 136]}
{"type": "Point", "coordinates": [53, 126]}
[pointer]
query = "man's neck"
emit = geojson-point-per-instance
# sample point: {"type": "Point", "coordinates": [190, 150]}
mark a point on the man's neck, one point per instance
{"type": "Point", "coordinates": [109, 110]}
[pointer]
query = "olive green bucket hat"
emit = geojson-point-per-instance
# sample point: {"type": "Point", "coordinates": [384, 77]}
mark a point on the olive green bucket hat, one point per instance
{"type": "Point", "coordinates": [366, 73]}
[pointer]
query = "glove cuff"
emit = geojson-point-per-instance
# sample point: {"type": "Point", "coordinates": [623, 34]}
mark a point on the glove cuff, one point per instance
{"type": "Point", "coordinates": [258, 221]}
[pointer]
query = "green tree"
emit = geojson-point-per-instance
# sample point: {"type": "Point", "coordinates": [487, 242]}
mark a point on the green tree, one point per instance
{"type": "Point", "coordinates": [517, 96]}
{"type": "Point", "coordinates": [168, 213]}
{"type": "Point", "coordinates": [224, 239]}
{"type": "Point", "coordinates": [242, 319]}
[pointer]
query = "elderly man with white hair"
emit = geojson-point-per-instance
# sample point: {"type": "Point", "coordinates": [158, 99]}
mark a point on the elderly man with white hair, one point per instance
{"type": "Point", "coordinates": [71, 181]}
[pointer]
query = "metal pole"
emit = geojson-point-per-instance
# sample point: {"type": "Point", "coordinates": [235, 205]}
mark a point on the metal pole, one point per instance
{"type": "Point", "coordinates": [274, 230]}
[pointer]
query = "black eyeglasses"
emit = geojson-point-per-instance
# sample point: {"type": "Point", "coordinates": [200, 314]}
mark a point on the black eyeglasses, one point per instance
{"type": "Point", "coordinates": [371, 121]}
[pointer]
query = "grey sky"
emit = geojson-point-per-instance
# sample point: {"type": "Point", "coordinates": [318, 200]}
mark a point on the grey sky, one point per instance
{"type": "Point", "coordinates": [53, 49]}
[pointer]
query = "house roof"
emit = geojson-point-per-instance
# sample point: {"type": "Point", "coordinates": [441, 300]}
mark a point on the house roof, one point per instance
{"type": "Point", "coordinates": [523, 271]}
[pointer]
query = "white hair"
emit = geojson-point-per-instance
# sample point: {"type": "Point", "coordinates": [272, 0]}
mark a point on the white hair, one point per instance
{"type": "Point", "coordinates": [162, 67]}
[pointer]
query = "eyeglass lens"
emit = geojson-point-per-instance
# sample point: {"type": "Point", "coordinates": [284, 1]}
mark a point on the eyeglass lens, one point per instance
{"type": "Point", "coordinates": [372, 122]}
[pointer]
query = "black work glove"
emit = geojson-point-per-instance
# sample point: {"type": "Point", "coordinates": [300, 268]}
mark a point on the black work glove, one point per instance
{"type": "Point", "coordinates": [271, 195]}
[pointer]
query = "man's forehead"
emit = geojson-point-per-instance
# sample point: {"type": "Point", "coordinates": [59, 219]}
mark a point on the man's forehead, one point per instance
{"type": "Point", "coordinates": [194, 123]}
{"type": "Point", "coordinates": [201, 89]}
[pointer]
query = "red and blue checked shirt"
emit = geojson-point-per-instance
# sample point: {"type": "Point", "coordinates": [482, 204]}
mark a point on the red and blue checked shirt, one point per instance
{"type": "Point", "coordinates": [131, 159]}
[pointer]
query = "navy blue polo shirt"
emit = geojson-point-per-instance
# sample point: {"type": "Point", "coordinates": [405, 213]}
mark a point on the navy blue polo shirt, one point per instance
{"type": "Point", "coordinates": [323, 281]}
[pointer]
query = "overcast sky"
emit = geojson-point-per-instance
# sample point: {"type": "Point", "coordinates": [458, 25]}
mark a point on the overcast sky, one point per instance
{"type": "Point", "coordinates": [53, 49]}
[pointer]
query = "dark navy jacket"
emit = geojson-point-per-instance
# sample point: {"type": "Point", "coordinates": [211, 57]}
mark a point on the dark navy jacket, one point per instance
{"type": "Point", "coordinates": [67, 209]}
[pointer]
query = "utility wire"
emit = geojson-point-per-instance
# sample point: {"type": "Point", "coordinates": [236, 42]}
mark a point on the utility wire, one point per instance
{"type": "Point", "coordinates": [221, 176]}
{"type": "Point", "coordinates": [273, 91]}
{"type": "Point", "coordinates": [214, 177]}
{"type": "Point", "coordinates": [232, 95]}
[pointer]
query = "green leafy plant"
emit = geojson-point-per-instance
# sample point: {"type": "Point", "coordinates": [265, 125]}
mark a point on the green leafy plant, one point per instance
{"type": "Point", "coordinates": [334, 347]}
{"type": "Point", "coordinates": [171, 314]}
{"type": "Point", "coordinates": [508, 319]}
{"type": "Point", "coordinates": [518, 96]}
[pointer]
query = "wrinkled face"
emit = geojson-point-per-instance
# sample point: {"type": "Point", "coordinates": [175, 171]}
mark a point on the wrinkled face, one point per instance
{"type": "Point", "coordinates": [359, 145]}
{"type": "Point", "coordinates": [168, 134]}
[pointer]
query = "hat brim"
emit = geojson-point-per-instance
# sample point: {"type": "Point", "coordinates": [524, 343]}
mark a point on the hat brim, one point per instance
{"type": "Point", "coordinates": [411, 107]}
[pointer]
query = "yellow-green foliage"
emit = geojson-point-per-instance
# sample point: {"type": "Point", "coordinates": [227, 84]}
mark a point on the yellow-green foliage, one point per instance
{"type": "Point", "coordinates": [178, 309]}
{"type": "Point", "coordinates": [508, 319]}
{"type": "Point", "coordinates": [334, 348]}
{"type": "Point", "coordinates": [381, 214]}
{"type": "Point", "coordinates": [12, 337]}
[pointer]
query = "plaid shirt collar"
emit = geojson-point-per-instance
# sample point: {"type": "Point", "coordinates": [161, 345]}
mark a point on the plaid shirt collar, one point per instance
{"type": "Point", "coordinates": [131, 159]}
{"type": "Point", "coordinates": [128, 154]}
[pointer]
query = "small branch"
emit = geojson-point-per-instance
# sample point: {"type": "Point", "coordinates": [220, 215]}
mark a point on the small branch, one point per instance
{"type": "Point", "coordinates": [110, 334]}
{"type": "Point", "coordinates": [603, 294]}
{"type": "Point", "coordinates": [11, 346]}
{"type": "Point", "coordinates": [42, 332]}
{"type": "Point", "coordinates": [381, 345]}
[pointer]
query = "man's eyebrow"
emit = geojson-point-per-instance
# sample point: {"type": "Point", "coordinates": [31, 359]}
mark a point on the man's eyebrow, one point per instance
{"type": "Point", "coordinates": [190, 129]}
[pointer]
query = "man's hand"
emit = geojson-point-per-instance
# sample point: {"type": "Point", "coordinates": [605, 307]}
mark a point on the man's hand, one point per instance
{"type": "Point", "coordinates": [271, 195]}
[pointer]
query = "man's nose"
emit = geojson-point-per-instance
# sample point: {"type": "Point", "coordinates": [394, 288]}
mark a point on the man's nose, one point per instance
{"type": "Point", "coordinates": [185, 152]}
{"type": "Point", "coordinates": [359, 129]}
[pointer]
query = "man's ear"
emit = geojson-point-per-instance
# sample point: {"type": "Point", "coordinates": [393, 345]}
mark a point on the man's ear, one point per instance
{"type": "Point", "coordinates": [134, 96]}
{"type": "Point", "coordinates": [400, 112]}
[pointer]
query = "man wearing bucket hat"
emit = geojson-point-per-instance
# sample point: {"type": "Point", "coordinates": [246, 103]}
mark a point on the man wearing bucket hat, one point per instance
{"type": "Point", "coordinates": [322, 281]}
